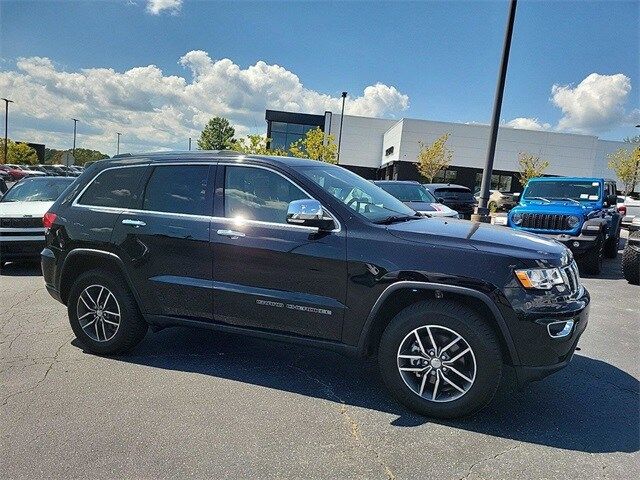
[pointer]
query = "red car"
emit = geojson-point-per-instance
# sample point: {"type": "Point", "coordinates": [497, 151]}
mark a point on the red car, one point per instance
{"type": "Point", "coordinates": [13, 172]}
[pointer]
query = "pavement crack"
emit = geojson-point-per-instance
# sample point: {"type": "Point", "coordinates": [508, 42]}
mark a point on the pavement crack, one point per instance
{"type": "Point", "coordinates": [493, 457]}
{"type": "Point", "coordinates": [353, 425]}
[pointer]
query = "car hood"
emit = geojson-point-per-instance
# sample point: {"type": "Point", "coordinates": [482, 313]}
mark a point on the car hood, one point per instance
{"type": "Point", "coordinates": [480, 236]}
{"type": "Point", "coordinates": [564, 208]}
{"type": "Point", "coordinates": [433, 209]}
{"type": "Point", "coordinates": [24, 209]}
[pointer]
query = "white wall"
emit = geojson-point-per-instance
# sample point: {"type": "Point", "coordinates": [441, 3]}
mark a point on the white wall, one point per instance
{"type": "Point", "coordinates": [361, 139]}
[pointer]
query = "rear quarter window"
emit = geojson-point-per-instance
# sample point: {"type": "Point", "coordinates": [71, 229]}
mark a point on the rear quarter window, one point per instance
{"type": "Point", "coordinates": [113, 188]}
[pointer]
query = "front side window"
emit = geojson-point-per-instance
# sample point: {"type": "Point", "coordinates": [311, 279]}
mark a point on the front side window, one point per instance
{"type": "Point", "coordinates": [177, 189]}
{"type": "Point", "coordinates": [257, 194]}
{"type": "Point", "coordinates": [112, 188]}
{"type": "Point", "coordinates": [355, 192]}
{"type": "Point", "coordinates": [563, 190]}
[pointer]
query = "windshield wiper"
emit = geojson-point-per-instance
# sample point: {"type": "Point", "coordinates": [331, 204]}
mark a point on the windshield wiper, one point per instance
{"type": "Point", "coordinates": [539, 198]}
{"type": "Point", "coordinates": [570, 199]}
{"type": "Point", "coordinates": [397, 218]}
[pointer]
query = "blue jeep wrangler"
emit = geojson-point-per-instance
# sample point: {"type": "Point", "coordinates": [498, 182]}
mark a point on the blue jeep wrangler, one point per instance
{"type": "Point", "coordinates": [578, 212]}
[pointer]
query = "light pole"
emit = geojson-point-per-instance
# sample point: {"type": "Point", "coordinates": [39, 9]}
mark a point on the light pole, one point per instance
{"type": "Point", "coordinates": [481, 213]}
{"type": "Point", "coordinates": [6, 126]}
{"type": "Point", "coordinates": [118, 148]}
{"type": "Point", "coordinates": [75, 125]}
{"type": "Point", "coordinates": [344, 97]}
{"type": "Point", "coordinates": [189, 143]}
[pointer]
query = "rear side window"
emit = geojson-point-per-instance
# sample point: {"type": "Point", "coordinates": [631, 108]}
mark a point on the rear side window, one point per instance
{"type": "Point", "coordinates": [112, 188]}
{"type": "Point", "coordinates": [177, 189]}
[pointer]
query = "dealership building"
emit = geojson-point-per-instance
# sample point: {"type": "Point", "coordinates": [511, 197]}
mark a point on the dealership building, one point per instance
{"type": "Point", "coordinates": [378, 148]}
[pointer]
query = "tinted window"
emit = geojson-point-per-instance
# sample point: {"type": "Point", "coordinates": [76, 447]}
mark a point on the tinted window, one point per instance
{"type": "Point", "coordinates": [258, 194]}
{"type": "Point", "coordinates": [37, 190]}
{"type": "Point", "coordinates": [113, 188]}
{"type": "Point", "coordinates": [580, 190]}
{"type": "Point", "coordinates": [407, 192]}
{"type": "Point", "coordinates": [177, 189]}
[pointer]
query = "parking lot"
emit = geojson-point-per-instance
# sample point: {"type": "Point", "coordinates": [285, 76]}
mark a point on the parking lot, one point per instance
{"type": "Point", "coordinates": [191, 403]}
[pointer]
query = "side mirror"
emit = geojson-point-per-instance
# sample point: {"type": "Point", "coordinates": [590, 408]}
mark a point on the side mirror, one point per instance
{"type": "Point", "coordinates": [309, 213]}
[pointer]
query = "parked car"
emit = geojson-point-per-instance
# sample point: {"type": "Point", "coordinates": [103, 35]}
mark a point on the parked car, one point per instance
{"type": "Point", "coordinates": [499, 201]}
{"type": "Point", "coordinates": [304, 251]}
{"type": "Point", "coordinates": [415, 196]}
{"type": "Point", "coordinates": [54, 170]}
{"type": "Point", "coordinates": [13, 172]}
{"type": "Point", "coordinates": [32, 172]}
{"type": "Point", "coordinates": [629, 209]}
{"type": "Point", "coordinates": [578, 212]}
{"type": "Point", "coordinates": [631, 258]}
{"type": "Point", "coordinates": [456, 197]}
{"type": "Point", "coordinates": [22, 209]}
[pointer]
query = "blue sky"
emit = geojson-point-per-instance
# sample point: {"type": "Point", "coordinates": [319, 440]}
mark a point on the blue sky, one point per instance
{"type": "Point", "coordinates": [434, 60]}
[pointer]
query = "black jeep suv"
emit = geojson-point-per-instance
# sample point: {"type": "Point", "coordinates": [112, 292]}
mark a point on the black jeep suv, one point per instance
{"type": "Point", "coordinates": [298, 250]}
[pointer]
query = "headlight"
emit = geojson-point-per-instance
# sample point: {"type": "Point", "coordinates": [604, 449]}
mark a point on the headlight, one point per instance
{"type": "Point", "coordinates": [540, 278]}
{"type": "Point", "coordinates": [636, 221]}
{"type": "Point", "coordinates": [573, 221]}
{"type": "Point", "coordinates": [516, 218]}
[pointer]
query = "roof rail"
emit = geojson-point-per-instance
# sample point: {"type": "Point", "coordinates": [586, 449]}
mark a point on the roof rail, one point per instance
{"type": "Point", "coordinates": [120, 155]}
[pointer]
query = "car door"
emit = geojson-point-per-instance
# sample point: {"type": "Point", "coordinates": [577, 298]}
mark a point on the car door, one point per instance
{"type": "Point", "coordinates": [165, 244]}
{"type": "Point", "coordinates": [269, 274]}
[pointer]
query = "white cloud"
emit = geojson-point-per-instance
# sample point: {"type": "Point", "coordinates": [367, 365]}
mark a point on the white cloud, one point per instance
{"type": "Point", "coordinates": [527, 124]}
{"type": "Point", "coordinates": [155, 111]}
{"type": "Point", "coordinates": [596, 104]}
{"type": "Point", "coordinates": [155, 7]}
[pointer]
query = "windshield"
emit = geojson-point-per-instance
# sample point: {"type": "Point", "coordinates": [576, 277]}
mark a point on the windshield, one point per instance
{"type": "Point", "coordinates": [580, 190]}
{"type": "Point", "coordinates": [355, 192]}
{"type": "Point", "coordinates": [37, 190]}
{"type": "Point", "coordinates": [408, 192]}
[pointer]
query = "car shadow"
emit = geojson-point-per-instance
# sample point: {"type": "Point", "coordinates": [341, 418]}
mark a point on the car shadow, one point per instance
{"type": "Point", "coordinates": [590, 406]}
{"type": "Point", "coordinates": [24, 268]}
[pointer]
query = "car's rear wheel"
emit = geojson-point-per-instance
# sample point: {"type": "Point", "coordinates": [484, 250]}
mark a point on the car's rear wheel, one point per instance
{"type": "Point", "coordinates": [103, 313]}
{"type": "Point", "coordinates": [631, 262]}
{"type": "Point", "coordinates": [440, 359]}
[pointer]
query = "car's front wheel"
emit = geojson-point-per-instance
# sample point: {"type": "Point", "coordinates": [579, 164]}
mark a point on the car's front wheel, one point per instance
{"type": "Point", "coordinates": [440, 359]}
{"type": "Point", "coordinates": [103, 313]}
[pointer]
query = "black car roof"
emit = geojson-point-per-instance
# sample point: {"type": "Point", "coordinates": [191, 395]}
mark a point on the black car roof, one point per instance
{"type": "Point", "coordinates": [206, 156]}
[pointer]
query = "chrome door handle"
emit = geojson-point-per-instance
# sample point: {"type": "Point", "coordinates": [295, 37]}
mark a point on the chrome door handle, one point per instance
{"type": "Point", "coordinates": [135, 223]}
{"type": "Point", "coordinates": [230, 233]}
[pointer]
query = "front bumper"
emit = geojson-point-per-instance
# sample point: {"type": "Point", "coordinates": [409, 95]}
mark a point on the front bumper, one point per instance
{"type": "Point", "coordinates": [22, 249]}
{"type": "Point", "coordinates": [578, 244]}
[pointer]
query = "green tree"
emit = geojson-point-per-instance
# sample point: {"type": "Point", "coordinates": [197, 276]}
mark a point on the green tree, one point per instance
{"type": "Point", "coordinates": [217, 135]}
{"type": "Point", "coordinates": [626, 164]}
{"type": "Point", "coordinates": [531, 166]}
{"type": "Point", "coordinates": [433, 158]}
{"type": "Point", "coordinates": [256, 145]}
{"type": "Point", "coordinates": [315, 147]}
{"type": "Point", "coordinates": [19, 153]}
{"type": "Point", "coordinates": [84, 155]}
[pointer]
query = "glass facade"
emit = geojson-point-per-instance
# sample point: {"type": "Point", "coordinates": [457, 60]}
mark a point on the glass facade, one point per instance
{"type": "Point", "coordinates": [445, 176]}
{"type": "Point", "coordinates": [502, 183]}
{"type": "Point", "coordinates": [284, 134]}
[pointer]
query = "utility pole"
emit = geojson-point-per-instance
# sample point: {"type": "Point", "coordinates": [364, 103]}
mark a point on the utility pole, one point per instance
{"type": "Point", "coordinates": [482, 212]}
{"type": "Point", "coordinates": [118, 148]}
{"type": "Point", "coordinates": [75, 125]}
{"type": "Point", "coordinates": [344, 97]}
{"type": "Point", "coordinates": [189, 143]}
{"type": "Point", "coordinates": [6, 127]}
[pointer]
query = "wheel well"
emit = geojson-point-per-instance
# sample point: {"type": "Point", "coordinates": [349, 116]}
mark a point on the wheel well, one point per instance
{"type": "Point", "coordinates": [402, 298]}
{"type": "Point", "coordinates": [79, 264]}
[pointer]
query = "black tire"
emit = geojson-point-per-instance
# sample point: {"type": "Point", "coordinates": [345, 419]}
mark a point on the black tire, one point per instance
{"type": "Point", "coordinates": [461, 320]}
{"type": "Point", "coordinates": [631, 262]}
{"type": "Point", "coordinates": [132, 327]}
{"type": "Point", "coordinates": [592, 261]}
{"type": "Point", "coordinates": [611, 245]}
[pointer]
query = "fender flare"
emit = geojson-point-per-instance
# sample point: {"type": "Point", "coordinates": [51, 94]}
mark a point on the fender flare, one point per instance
{"type": "Point", "coordinates": [500, 321]}
{"type": "Point", "coordinates": [92, 252]}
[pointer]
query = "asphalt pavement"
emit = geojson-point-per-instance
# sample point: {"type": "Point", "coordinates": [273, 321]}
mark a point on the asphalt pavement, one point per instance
{"type": "Point", "coordinates": [196, 403]}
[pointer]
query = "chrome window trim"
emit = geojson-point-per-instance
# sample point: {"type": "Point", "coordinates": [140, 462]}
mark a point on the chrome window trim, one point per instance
{"type": "Point", "coordinates": [132, 211]}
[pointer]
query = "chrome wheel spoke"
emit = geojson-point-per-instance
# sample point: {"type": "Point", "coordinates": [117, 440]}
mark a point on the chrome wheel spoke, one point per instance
{"type": "Point", "coordinates": [86, 291]}
{"type": "Point", "coordinates": [413, 369]}
{"type": "Point", "coordinates": [97, 334]}
{"type": "Point", "coordinates": [412, 357]}
{"type": "Point", "coordinates": [111, 313]}
{"type": "Point", "coordinates": [420, 343]}
{"type": "Point", "coordinates": [464, 352]}
{"type": "Point", "coordinates": [424, 381]}
{"type": "Point", "coordinates": [98, 299]}
{"type": "Point", "coordinates": [435, 387]}
{"type": "Point", "coordinates": [115, 324]}
{"type": "Point", "coordinates": [451, 383]}
{"type": "Point", "coordinates": [90, 312]}
{"type": "Point", "coordinates": [433, 342]}
{"type": "Point", "coordinates": [450, 344]}
{"type": "Point", "coordinates": [460, 374]}
{"type": "Point", "coordinates": [103, 330]}
{"type": "Point", "coordinates": [86, 304]}
{"type": "Point", "coordinates": [89, 324]}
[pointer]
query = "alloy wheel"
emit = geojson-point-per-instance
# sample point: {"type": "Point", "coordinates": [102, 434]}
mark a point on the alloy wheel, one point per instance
{"type": "Point", "coordinates": [436, 363]}
{"type": "Point", "coordinates": [98, 313]}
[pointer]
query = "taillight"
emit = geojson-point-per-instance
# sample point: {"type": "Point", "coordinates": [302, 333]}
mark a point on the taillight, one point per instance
{"type": "Point", "coordinates": [48, 219]}
{"type": "Point", "coordinates": [622, 210]}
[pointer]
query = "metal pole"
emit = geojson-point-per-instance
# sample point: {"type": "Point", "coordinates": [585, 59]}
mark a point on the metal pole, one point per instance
{"type": "Point", "coordinates": [118, 149]}
{"type": "Point", "coordinates": [482, 211]}
{"type": "Point", "coordinates": [189, 143]}
{"type": "Point", "coordinates": [6, 127]}
{"type": "Point", "coordinates": [73, 152]}
{"type": "Point", "coordinates": [344, 97]}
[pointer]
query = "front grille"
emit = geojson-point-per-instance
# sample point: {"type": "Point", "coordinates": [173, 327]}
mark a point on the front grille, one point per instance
{"type": "Point", "coordinates": [29, 222]}
{"type": "Point", "coordinates": [545, 221]}
{"type": "Point", "coordinates": [571, 277]}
